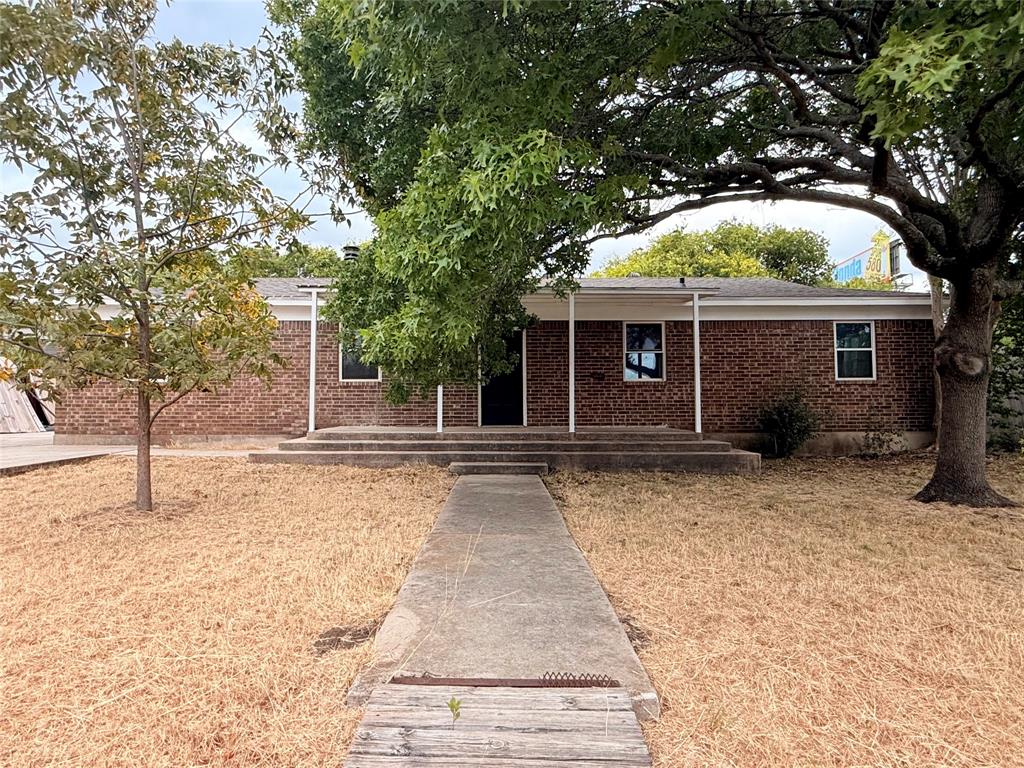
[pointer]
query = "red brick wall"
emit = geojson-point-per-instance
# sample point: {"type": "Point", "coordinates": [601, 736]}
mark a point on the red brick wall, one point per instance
{"type": "Point", "coordinates": [248, 407]}
{"type": "Point", "coordinates": [744, 364]}
{"type": "Point", "coordinates": [547, 374]}
{"type": "Point", "coordinates": [361, 403]}
{"type": "Point", "coordinates": [604, 398]}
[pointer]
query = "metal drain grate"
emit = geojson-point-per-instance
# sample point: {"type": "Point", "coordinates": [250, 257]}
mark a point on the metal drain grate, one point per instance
{"type": "Point", "coordinates": [571, 680]}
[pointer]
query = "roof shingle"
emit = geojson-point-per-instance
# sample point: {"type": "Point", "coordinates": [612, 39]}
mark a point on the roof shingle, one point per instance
{"type": "Point", "coordinates": [726, 287]}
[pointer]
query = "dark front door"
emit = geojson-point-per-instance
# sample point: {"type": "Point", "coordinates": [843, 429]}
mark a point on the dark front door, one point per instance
{"type": "Point", "coordinates": [501, 398]}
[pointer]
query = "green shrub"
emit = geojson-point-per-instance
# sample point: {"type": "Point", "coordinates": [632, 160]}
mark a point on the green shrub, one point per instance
{"type": "Point", "coordinates": [789, 421]}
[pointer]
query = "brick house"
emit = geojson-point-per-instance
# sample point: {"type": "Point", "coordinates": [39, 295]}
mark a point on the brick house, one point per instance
{"type": "Point", "coordinates": [632, 358]}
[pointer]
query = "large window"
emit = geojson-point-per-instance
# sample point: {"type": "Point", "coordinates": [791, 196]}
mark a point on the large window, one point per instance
{"type": "Point", "coordinates": [644, 351]}
{"type": "Point", "coordinates": [353, 368]}
{"type": "Point", "coordinates": [855, 351]}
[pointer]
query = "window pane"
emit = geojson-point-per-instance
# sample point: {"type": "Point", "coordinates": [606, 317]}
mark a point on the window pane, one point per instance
{"type": "Point", "coordinates": [352, 368]}
{"type": "Point", "coordinates": [853, 335]}
{"type": "Point", "coordinates": [643, 336]}
{"type": "Point", "coordinates": [855, 364]}
{"type": "Point", "coordinates": [644, 365]}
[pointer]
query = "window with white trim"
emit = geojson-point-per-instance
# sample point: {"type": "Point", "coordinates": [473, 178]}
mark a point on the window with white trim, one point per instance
{"type": "Point", "coordinates": [352, 368]}
{"type": "Point", "coordinates": [855, 351]}
{"type": "Point", "coordinates": [643, 351]}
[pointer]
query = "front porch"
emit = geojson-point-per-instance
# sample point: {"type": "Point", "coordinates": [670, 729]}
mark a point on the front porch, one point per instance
{"type": "Point", "coordinates": [534, 450]}
{"type": "Point", "coordinates": [625, 353]}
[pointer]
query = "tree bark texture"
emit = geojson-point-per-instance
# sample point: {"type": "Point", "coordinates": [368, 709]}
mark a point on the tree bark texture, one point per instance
{"type": "Point", "coordinates": [963, 362]}
{"type": "Point", "coordinates": [935, 285]}
{"type": "Point", "coordinates": [143, 475]}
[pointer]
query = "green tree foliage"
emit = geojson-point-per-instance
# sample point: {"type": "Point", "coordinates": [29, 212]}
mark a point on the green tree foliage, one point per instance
{"type": "Point", "coordinates": [731, 249]}
{"type": "Point", "coordinates": [112, 259]}
{"type": "Point", "coordinates": [870, 283]}
{"type": "Point", "coordinates": [496, 141]}
{"type": "Point", "coordinates": [1006, 390]}
{"type": "Point", "coordinates": [294, 260]}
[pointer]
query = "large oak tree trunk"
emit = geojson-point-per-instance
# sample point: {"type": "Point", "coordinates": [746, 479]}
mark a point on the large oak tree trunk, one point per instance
{"type": "Point", "coordinates": [938, 320]}
{"type": "Point", "coordinates": [963, 362]}
{"type": "Point", "coordinates": [143, 476]}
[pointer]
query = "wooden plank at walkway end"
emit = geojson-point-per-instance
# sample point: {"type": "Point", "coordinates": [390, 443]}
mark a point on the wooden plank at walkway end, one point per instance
{"type": "Point", "coordinates": [411, 726]}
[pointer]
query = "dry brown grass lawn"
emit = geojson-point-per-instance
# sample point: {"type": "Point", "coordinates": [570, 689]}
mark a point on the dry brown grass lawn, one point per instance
{"type": "Point", "coordinates": [184, 638]}
{"type": "Point", "coordinates": [813, 615]}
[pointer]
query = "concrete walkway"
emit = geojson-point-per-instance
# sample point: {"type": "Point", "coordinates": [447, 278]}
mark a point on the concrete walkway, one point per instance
{"type": "Point", "coordinates": [501, 594]}
{"type": "Point", "coordinates": [32, 450]}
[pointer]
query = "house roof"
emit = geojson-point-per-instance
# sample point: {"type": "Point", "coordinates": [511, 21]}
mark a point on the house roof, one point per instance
{"type": "Point", "coordinates": [726, 287]}
{"type": "Point", "coordinates": [289, 287]}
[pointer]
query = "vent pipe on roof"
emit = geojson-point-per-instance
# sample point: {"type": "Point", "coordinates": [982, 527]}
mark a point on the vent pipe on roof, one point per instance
{"type": "Point", "coordinates": [682, 281]}
{"type": "Point", "coordinates": [350, 252]}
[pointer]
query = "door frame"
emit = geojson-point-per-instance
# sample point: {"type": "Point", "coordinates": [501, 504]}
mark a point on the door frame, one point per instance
{"type": "Point", "coordinates": [480, 388]}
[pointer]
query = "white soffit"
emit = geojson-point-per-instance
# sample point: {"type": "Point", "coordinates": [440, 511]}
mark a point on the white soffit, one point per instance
{"type": "Point", "coordinates": [660, 307]}
{"type": "Point", "coordinates": [655, 307]}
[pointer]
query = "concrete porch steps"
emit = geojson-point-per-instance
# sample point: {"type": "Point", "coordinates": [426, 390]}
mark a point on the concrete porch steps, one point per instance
{"type": "Point", "coordinates": [516, 434]}
{"type": "Point", "coordinates": [712, 462]}
{"type": "Point", "coordinates": [315, 443]}
{"type": "Point", "coordinates": [716, 463]}
{"type": "Point", "coordinates": [497, 468]}
{"type": "Point", "coordinates": [522, 450]}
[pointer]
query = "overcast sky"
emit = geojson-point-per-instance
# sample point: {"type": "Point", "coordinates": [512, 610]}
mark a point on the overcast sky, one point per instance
{"type": "Point", "coordinates": [241, 21]}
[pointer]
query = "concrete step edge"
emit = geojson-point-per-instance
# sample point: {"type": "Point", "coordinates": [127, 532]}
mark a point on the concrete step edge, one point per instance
{"type": "Point", "coordinates": [303, 444]}
{"type": "Point", "coordinates": [497, 468]}
{"type": "Point", "coordinates": [712, 462]}
{"type": "Point", "coordinates": [506, 435]}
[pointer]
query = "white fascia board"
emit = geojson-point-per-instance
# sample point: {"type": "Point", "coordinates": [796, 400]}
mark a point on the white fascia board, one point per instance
{"type": "Point", "coordinates": [282, 309]}
{"type": "Point", "coordinates": [584, 294]}
{"type": "Point", "coordinates": [896, 299]}
{"type": "Point", "coordinates": [615, 307]}
{"type": "Point", "coordinates": [295, 310]}
{"type": "Point", "coordinates": [846, 311]}
{"type": "Point", "coordinates": [659, 306]}
{"type": "Point", "coordinates": [633, 307]}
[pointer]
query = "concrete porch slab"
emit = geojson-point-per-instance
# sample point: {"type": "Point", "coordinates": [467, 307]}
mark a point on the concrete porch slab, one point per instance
{"type": "Point", "coordinates": [500, 590]}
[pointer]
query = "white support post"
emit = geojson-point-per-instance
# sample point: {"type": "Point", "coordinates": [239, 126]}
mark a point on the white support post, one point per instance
{"type": "Point", "coordinates": [313, 318]}
{"type": "Point", "coordinates": [572, 362]}
{"type": "Point", "coordinates": [696, 365]}
{"type": "Point", "coordinates": [440, 407]}
{"type": "Point", "coordinates": [522, 354]}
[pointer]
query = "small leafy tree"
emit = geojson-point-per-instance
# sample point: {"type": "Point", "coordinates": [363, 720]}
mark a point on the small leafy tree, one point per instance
{"type": "Point", "coordinates": [731, 249]}
{"type": "Point", "coordinates": [112, 259]}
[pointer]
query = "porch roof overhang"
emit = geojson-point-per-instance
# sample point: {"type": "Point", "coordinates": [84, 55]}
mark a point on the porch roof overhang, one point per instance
{"type": "Point", "coordinates": [669, 302]}
{"type": "Point", "coordinates": [685, 294]}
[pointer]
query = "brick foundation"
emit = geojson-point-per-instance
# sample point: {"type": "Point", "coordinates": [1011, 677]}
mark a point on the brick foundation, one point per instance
{"type": "Point", "coordinates": [744, 364]}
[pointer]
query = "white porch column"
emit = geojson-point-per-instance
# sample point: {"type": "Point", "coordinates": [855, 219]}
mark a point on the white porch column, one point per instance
{"type": "Point", "coordinates": [572, 362]}
{"type": "Point", "coordinates": [696, 364]}
{"type": "Point", "coordinates": [440, 407]}
{"type": "Point", "coordinates": [313, 318]}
